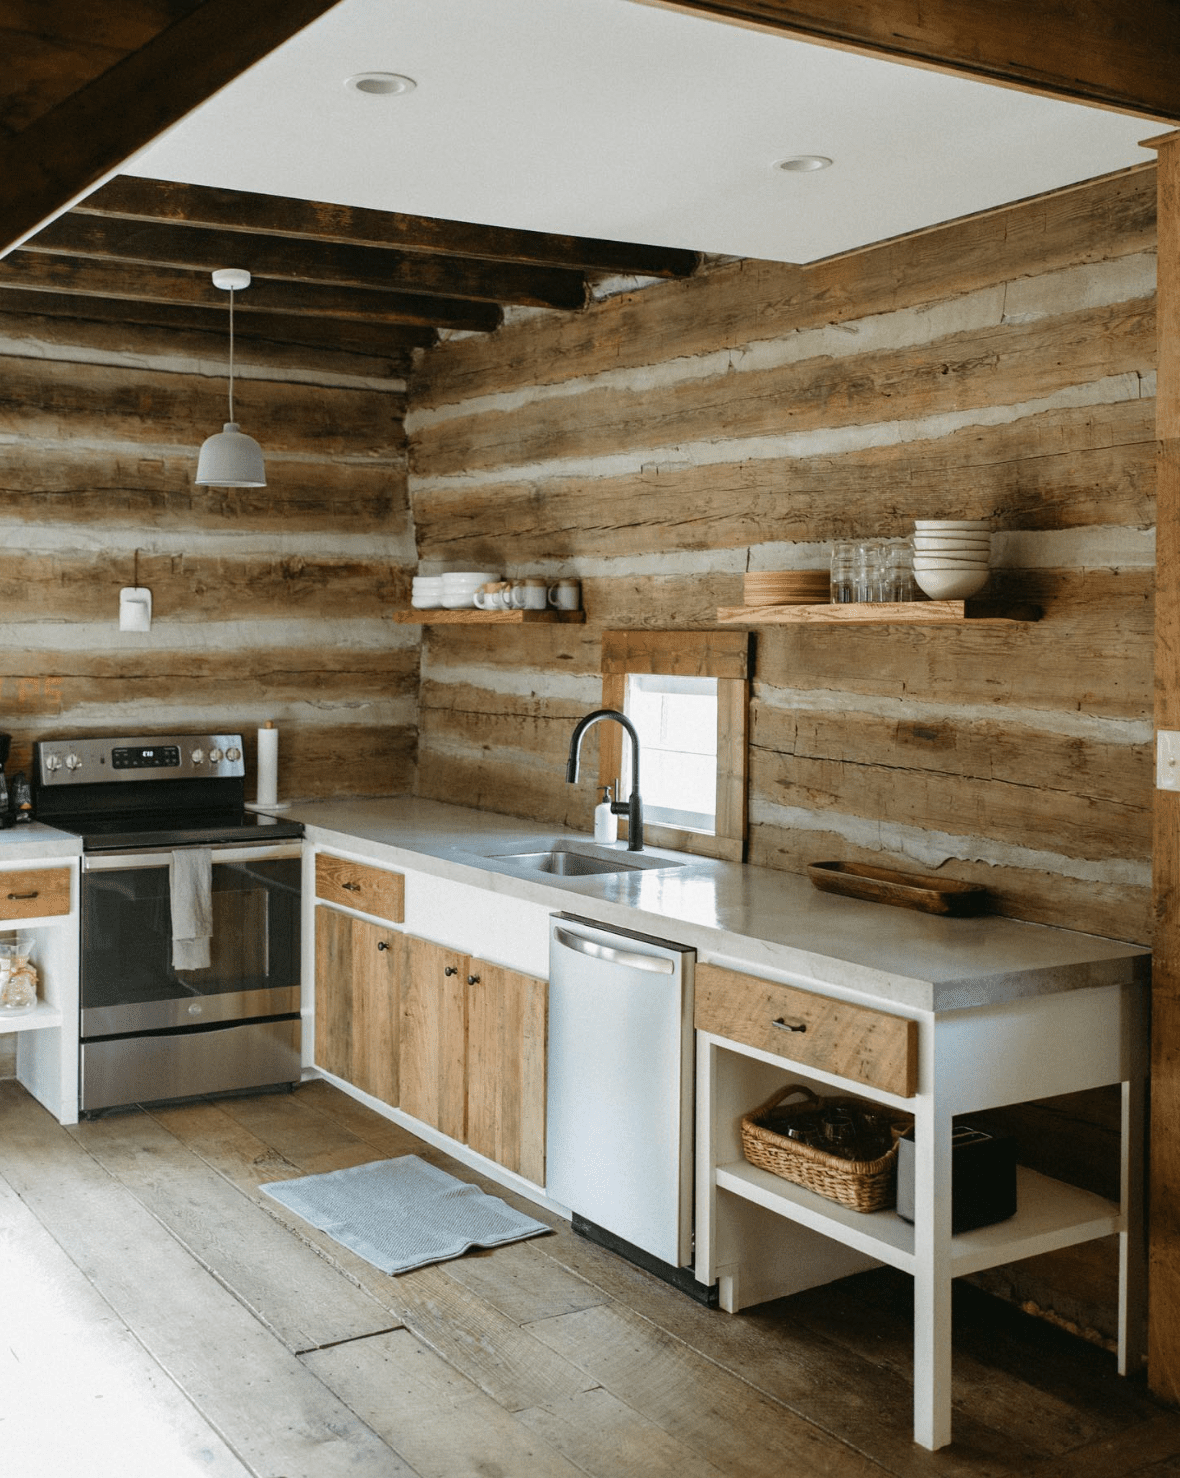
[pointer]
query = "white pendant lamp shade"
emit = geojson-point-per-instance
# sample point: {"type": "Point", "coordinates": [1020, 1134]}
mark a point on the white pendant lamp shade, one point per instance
{"type": "Point", "coordinates": [231, 459]}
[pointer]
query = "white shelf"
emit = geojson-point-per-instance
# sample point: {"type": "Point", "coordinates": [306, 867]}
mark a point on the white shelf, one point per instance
{"type": "Point", "coordinates": [1049, 1214]}
{"type": "Point", "coordinates": [44, 1016]}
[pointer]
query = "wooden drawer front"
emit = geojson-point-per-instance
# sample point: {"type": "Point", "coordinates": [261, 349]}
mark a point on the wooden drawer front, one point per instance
{"type": "Point", "coordinates": [853, 1042]}
{"type": "Point", "coordinates": [34, 894]}
{"type": "Point", "coordinates": [356, 885]}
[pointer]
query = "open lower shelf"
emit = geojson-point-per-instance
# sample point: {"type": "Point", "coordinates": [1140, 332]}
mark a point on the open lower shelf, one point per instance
{"type": "Point", "coordinates": [469, 616]}
{"type": "Point", "coordinates": [1050, 1214]}
{"type": "Point", "coordinates": [43, 1016]}
{"type": "Point", "coordinates": [875, 613]}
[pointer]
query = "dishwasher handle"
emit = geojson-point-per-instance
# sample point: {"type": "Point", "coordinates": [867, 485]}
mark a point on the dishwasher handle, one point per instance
{"type": "Point", "coordinates": [632, 959]}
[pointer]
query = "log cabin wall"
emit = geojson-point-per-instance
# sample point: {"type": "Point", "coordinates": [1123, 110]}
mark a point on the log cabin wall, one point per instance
{"type": "Point", "coordinates": [672, 437]}
{"type": "Point", "coordinates": [269, 603]}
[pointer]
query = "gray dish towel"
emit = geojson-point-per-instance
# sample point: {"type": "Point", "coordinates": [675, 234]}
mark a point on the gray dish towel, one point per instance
{"type": "Point", "coordinates": [190, 882]}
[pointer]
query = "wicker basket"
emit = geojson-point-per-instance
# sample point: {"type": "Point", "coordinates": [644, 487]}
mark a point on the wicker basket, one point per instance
{"type": "Point", "coordinates": [861, 1185]}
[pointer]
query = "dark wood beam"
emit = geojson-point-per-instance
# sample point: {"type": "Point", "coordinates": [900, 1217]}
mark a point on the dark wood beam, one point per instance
{"type": "Point", "coordinates": [286, 328]}
{"type": "Point", "coordinates": [89, 133]}
{"type": "Point", "coordinates": [132, 198]}
{"type": "Point", "coordinates": [288, 259]}
{"type": "Point", "coordinates": [34, 273]}
{"type": "Point", "coordinates": [1115, 53]}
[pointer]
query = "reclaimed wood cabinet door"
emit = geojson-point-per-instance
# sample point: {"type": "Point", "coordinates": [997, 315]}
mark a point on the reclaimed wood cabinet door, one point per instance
{"type": "Point", "coordinates": [433, 1038]}
{"type": "Point", "coordinates": [507, 1024]}
{"type": "Point", "coordinates": [358, 1002]}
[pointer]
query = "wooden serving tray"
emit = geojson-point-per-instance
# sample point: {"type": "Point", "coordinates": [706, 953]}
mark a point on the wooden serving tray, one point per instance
{"type": "Point", "coordinates": [902, 889]}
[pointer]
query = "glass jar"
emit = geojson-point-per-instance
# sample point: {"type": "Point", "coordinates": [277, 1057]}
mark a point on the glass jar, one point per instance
{"type": "Point", "coordinates": [843, 572]}
{"type": "Point", "coordinates": [18, 979]}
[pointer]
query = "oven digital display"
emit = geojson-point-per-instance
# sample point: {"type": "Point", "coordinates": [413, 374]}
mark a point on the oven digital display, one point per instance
{"type": "Point", "coordinates": [146, 757]}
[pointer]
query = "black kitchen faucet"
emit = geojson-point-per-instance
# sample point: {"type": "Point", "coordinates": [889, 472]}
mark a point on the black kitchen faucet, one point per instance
{"type": "Point", "coordinates": [631, 808]}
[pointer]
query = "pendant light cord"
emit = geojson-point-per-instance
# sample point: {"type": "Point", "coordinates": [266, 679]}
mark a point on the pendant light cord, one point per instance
{"type": "Point", "coordinates": [231, 354]}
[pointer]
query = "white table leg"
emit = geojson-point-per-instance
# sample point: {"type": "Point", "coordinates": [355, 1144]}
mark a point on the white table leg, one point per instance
{"type": "Point", "coordinates": [932, 1275]}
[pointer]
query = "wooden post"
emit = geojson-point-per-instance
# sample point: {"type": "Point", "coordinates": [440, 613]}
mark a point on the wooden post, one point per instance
{"type": "Point", "coordinates": [1164, 1306]}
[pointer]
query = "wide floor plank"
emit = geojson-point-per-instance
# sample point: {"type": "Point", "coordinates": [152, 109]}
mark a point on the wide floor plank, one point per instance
{"type": "Point", "coordinates": [283, 1281]}
{"type": "Point", "coordinates": [78, 1392]}
{"type": "Point", "coordinates": [223, 1359]}
{"type": "Point", "coordinates": [429, 1413]}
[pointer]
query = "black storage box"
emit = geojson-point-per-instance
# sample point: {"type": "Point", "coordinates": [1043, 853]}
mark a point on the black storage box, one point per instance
{"type": "Point", "coordinates": [984, 1178]}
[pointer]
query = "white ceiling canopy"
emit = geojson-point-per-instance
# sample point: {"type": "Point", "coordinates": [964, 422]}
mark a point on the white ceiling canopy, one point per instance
{"type": "Point", "coordinates": [614, 119]}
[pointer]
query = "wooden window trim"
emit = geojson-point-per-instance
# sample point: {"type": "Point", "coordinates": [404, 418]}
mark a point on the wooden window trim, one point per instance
{"type": "Point", "coordinates": [724, 655]}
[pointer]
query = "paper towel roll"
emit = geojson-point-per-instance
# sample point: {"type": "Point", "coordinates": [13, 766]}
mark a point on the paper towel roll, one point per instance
{"type": "Point", "coordinates": [268, 766]}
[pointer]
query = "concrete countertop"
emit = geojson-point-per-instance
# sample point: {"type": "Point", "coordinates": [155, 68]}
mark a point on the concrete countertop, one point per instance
{"type": "Point", "coordinates": [33, 840]}
{"type": "Point", "coordinates": [747, 917]}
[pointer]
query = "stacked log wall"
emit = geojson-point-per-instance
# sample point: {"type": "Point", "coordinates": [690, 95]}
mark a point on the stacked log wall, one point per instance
{"type": "Point", "coordinates": [270, 603]}
{"type": "Point", "coordinates": [673, 437]}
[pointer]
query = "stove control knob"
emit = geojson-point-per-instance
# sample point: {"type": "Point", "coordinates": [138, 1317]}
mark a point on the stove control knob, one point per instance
{"type": "Point", "coordinates": [52, 762]}
{"type": "Point", "coordinates": [73, 761]}
{"type": "Point", "coordinates": [233, 753]}
{"type": "Point", "coordinates": [214, 755]}
{"type": "Point", "coordinates": [197, 756]}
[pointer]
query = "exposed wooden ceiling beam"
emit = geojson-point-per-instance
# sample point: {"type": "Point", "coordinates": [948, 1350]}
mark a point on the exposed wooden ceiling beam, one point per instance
{"type": "Point", "coordinates": [131, 198]}
{"type": "Point", "coordinates": [33, 272]}
{"type": "Point", "coordinates": [1115, 53]}
{"type": "Point", "coordinates": [290, 328]}
{"type": "Point", "coordinates": [89, 133]}
{"type": "Point", "coordinates": [311, 262]}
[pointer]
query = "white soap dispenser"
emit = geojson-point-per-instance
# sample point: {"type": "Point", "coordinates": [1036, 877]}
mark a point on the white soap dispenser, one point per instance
{"type": "Point", "coordinates": [606, 823]}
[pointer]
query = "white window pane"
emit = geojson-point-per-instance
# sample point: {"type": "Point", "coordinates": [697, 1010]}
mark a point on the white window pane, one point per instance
{"type": "Point", "coordinates": [676, 719]}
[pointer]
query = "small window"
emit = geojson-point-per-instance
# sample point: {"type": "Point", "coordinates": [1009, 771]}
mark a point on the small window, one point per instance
{"type": "Point", "coordinates": [676, 718]}
{"type": "Point", "coordinates": [687, 694]}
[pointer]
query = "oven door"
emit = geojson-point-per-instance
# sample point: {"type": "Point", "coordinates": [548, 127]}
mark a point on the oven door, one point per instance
{"type": "Point", "coordinates": [128, 983]}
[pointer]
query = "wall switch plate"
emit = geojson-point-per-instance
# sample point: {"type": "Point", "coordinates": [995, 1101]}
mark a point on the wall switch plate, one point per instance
{"type": "Point", "coordinates": [135, 608]}
{"type": "Point", "coordinates": [1167, 759]}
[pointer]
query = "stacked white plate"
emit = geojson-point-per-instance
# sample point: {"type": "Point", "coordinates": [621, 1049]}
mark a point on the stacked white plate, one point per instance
{"type": "Point", "coordinates": [952, 556]}
{"type": "Point", "coordinates": [459, 586]}
{"type": "Point", "coordinates": [427, 592]}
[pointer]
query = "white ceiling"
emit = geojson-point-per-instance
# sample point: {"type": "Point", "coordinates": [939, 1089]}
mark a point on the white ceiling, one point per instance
{"type": "Point", "coordinates": [615, 119]}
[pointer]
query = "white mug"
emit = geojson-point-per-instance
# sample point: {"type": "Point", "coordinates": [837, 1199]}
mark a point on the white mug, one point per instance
{"type": "Point", "coordinates": [529, 595]}
{"type": "Point", "coordinates": [494, 597]}
{"type": "Point", "coordinates": [566, 595]}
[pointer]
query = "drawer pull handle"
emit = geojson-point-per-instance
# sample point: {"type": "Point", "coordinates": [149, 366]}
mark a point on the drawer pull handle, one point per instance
{"type": "Point", "coordinates": [786, 1026]}
{"type": "Point", "coordinates": [451, 970]}
{"type": "Point", "coordinates": [21, 897]}
{"type": "Point", "coordinates": [473, 980]}
{"type": "Point", "coordinates": [381, 944]}
{"type": "Point", "coordinates": [351, 887]}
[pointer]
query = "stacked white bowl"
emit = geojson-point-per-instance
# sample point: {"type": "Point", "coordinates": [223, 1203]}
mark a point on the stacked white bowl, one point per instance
{"type": "Point", "coordinates": [427, 592]}
{"type": "Point", "coordinates": [459, 586]}
{"type": "Point", "coordinates": [951, 556]}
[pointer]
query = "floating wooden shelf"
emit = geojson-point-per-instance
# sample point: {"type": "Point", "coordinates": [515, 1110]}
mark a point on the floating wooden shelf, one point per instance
{"type": "Point", "coordinates": [471, 617]}
{"type": "Point", "coordinates": [903, 613]}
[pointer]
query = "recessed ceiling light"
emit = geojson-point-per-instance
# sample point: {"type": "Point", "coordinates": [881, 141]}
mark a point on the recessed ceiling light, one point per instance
{"type": "Point", "coordinates": [381, 84]}
{"type": "Point", "coordinates": [802, 163]}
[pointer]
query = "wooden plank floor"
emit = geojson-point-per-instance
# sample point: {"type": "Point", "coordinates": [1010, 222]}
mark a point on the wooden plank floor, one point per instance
{"type": "Point", "coordinates": [161, 1318]}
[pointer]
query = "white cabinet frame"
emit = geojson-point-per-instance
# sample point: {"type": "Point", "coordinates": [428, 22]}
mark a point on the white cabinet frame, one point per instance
{"type": "Point", "coordinates": [762, 1237]}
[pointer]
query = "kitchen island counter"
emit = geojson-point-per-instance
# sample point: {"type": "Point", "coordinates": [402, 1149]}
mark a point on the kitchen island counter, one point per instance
{"type": "Point", "coordinates": [756, 918]}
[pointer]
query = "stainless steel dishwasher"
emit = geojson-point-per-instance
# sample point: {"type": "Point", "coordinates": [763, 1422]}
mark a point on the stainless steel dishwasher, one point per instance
{"type": "Point", "coordinates": [620, 1105]}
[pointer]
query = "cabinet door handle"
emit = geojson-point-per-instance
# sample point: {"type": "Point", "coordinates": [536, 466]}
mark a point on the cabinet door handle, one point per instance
{"type": "Point", "coordinates": [381, 944]}
{"type": "Point", "coordinates": [473, 980]}
{"type": "Point", "coordinates": [786, 1026]}
{"type": "Point", "coordinates": [22, 897]}
{"type": "Point", "coordinates": [451, 970]}
{"type": "Point", "coordinates": [351, 887]}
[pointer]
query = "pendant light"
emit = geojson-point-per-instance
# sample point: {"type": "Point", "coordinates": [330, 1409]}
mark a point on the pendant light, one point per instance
{"type": "Point", "coordinates": [230, 459]}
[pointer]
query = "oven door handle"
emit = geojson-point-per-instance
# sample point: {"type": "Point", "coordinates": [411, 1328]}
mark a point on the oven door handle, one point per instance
{"type": "Point", "coordinates": [162, 856]}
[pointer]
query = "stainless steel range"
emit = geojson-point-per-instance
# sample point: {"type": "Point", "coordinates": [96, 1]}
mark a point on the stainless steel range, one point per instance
{"type": "Point", "coordinates": [154, 1027]}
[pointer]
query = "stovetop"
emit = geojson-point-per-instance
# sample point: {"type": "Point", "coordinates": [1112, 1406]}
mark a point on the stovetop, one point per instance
{"type": "Point", "coordinates": [121, 794]}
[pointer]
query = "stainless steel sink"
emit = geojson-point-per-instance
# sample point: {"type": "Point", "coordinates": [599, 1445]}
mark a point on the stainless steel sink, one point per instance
{"type": "Point", "coordinates": [570, 862]}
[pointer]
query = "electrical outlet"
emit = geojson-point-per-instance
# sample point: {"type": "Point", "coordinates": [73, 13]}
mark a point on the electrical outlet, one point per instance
{"type": "Point", "coordinates": [1167, 760]}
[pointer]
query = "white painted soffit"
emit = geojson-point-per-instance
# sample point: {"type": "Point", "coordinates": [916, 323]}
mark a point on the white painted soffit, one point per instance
{"type": "Point", "coordinates": [614, 119]}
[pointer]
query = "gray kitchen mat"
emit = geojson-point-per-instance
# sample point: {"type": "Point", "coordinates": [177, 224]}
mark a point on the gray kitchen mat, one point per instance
{"type": "Point", "coordinates": [400, 1214]}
